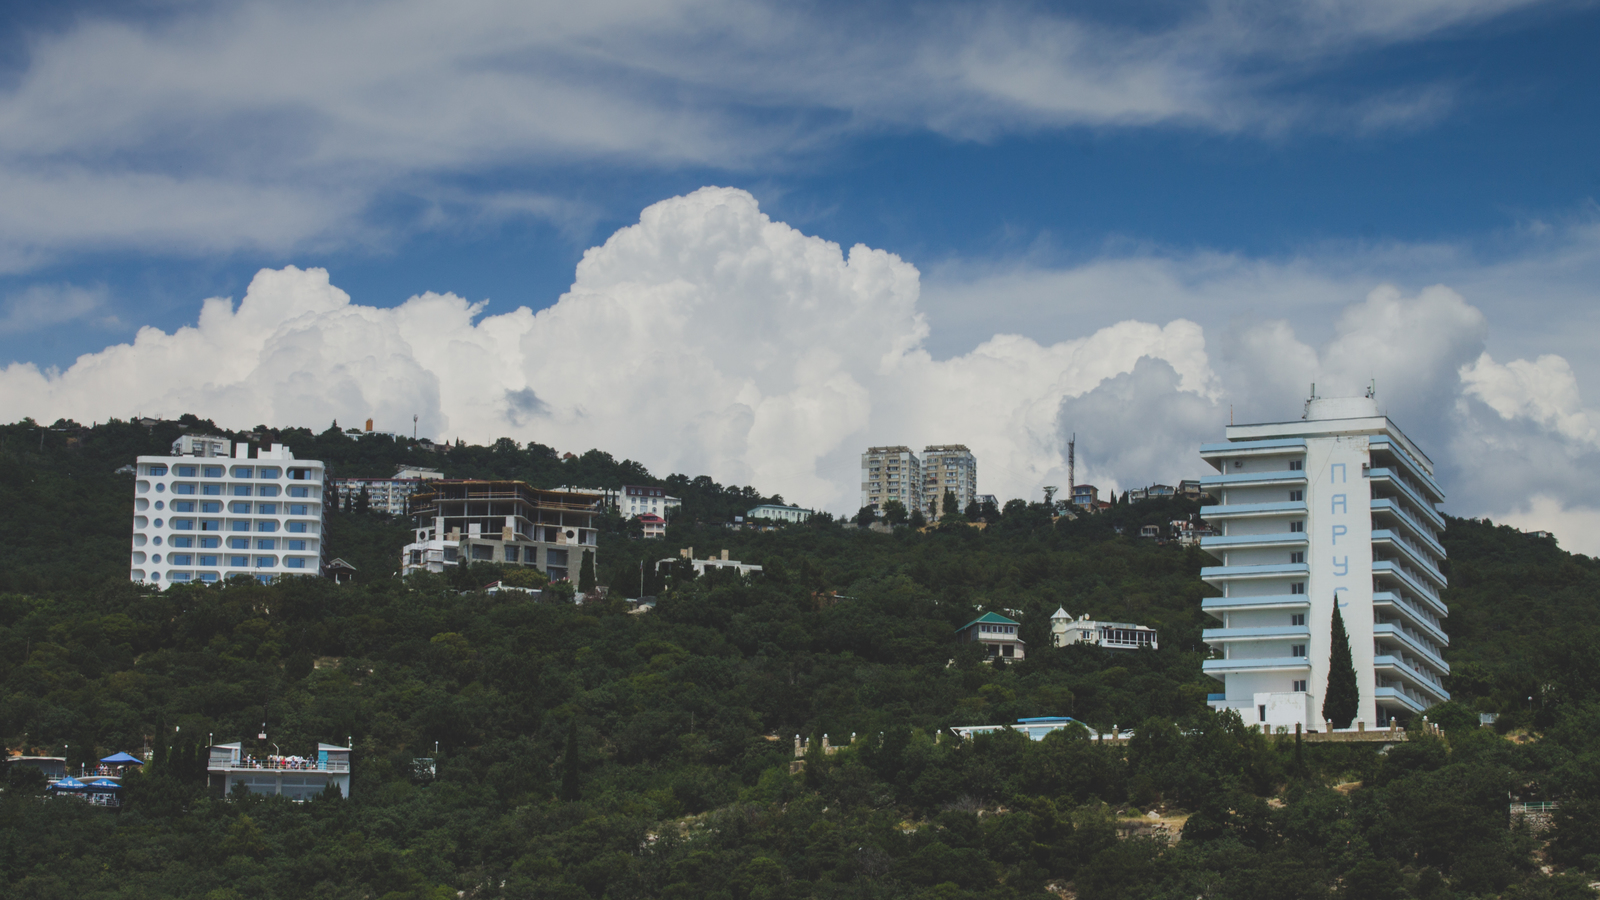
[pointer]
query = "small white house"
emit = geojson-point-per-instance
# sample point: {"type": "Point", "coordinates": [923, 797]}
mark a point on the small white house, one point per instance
{"type": "Point", "coordinates": [775, 513]}
{"type": "Point", "coordinates": [1064, 630]}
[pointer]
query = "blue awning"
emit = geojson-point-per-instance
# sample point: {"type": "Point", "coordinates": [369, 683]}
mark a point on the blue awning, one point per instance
{"type": "Point", "coordinates": [123, 758]}
{"type": "Point", "coordinates": [67, 784]}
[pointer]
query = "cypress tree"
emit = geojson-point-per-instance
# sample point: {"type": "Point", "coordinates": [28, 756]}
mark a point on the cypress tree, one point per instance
{"type": "Point", "coordinates": [158, 755]}
{"type": "Point", "coordinates": [586, 573]}
{"type": "Point", "coordinates": [1342, 700]}
{"type": "Point", "coordinates": [569, 762]}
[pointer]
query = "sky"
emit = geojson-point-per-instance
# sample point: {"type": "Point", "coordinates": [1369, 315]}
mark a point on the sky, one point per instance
{"type": "Point", "coordinates": [749, 240]}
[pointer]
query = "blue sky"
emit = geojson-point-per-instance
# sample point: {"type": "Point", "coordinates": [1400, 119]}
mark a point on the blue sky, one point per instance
{"type": "Point", "coordinates": [1048, 170]}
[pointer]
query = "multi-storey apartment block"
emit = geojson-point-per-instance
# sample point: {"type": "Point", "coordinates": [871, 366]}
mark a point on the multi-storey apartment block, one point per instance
{"type": "Point", "coordinates": [891, 473]}
{"type": "Point", "coordinates": [389, 496]}
{"type": "Point", "coordinates": [643, 500]}
{"type": "Point", "coordinates": [502, 522]}
{"type": "Point", "coordinates": [948, 468]}
{"type": "Point", "coordinates": [1337, 507]}
{"type": "Point", "coordinates": [205, 517]}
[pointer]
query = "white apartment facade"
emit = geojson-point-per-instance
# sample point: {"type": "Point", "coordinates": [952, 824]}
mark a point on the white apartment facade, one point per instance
{"type": "Point", "coordinates": [1064, 630]}
{"type": "Point", "coordinates": [775, 513]}
{"type": "Point", "coordinates": [389, 496]}
{"type": "Point", "coordinates": [891, 473]}
{"type": "Point", "coordinates": [644, 500]}
{"type": "Point", "coordinates": [207, 518]}
{"type": "Point", "coordinates": [1339, 505]}
{"type": "Point", "coordinates": [948, 468]}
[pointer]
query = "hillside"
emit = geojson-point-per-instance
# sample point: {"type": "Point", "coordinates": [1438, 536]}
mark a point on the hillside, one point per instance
{"type": "Point", "coordinates": [586, 752]}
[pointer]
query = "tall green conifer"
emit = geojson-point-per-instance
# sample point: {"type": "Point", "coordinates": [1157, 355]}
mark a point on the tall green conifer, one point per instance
{"type": "Point", "coordinates": [1342, 700]}
{"type": "Point", "coordinates": [586, 573]}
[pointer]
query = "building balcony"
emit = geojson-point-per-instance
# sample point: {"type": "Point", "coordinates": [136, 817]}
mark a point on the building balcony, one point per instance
{"type": "Point", "coordinates": [1388, 568]}
{"type": "Point", "coordinates": [1395, 634]}
{"type": "Point", "coordinates": [1391, 479]}
{"type": "Point", "coordinates": [1218, 545]}
{"type": "Point", "coordinates": [1255, 479]}
{"type": "Point", "coordinates": [1419, 560]}
{"type": "Point", "coordinates": [1423, 621]}
{"type": "Point", "coordinates": [1408, 465]}
{"type": "Point", "coordinates": [1398, 698]}
{"type": "Point", "coordinates": [277, 764]}
{"type": "Point", "coordinates": [1412, 676]}
{"type": "Point", "coordinates": [1257, 633]}
{"type": "Point", "coordinates": [1216, 606]}
{"type": "Point", "coordinates": [1216, 453]}
{"type": "Point", "coordinates": [1389, 509]}
{"type": "Point", "coordinates": [1252, 510]}
{"type": "Point", "coordinates": [1216, 574]}
{"type": "Point", "coordinates": [1218, 667]}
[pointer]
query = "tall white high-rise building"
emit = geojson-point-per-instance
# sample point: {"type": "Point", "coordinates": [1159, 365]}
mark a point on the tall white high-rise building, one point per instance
{"type": "Point", "coordinates": [1338, 506]}
{"type": "Point", "coordinates": [207, 517]}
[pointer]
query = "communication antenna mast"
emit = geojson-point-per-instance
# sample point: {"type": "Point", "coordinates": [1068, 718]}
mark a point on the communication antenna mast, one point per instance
{"type": "Point", "coordinates": [1072, 463]}
{"type": "Point", "coordinates": [413, 426]}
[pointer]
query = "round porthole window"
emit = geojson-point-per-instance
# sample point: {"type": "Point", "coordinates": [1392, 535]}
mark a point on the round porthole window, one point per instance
{"type": "Point", "coordinates": [160, 488]}
{"type": "Point", "coordinates": [158, 540]}
{"type": "Point", "coordinates": [159, 505]}
{"type": "Point", "coordinates": [158, 523]}
{"type": "Point", "coordinates": [155, 576]}
{"type": "Point", "coordinates": [156, 558]}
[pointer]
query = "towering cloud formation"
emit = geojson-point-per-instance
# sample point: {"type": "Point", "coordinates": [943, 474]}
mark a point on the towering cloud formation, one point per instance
{"type": "Point", "coordinates": [708, 338]}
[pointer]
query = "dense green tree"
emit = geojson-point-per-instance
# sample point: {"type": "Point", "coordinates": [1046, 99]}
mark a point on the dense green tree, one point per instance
{"type": "Point", "coordinates": [586, 579]}
{"type": "Point", "coordinates": [894, 513]}
{"type": "Point", "coordinates": [1342, 700]}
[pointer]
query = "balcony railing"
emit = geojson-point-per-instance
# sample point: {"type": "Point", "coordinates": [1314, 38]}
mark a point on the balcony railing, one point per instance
{"type": "Point", "coordinates": [1411, 641]}
{"type": "Point", "coordinates": [1409, 578]}
{"type": "Point", "coordinates": [1405, 516]}
{"type": "Point", "coordinates": [1421, 562]}
{"type": "Point", "coordinates": [1412, 467]}
{"type": "Point", "coordinates": [1417, 674]}
{"type": "Point", "coordinates": [1423, 618]}
{"type": "Point", "coordinates": [1409, 491]}
{"type": "Point", "coordinates": [278, 764]}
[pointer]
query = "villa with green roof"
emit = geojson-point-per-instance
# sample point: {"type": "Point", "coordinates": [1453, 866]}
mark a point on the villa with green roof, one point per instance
{"type": "Point", "coordinates": [996, 633]}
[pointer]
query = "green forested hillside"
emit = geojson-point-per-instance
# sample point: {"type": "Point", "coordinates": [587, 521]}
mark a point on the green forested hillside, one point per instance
{"type": "Point", "coordinates": [589, 752]}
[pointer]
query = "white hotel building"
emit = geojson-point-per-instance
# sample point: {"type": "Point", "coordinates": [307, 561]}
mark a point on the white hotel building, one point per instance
{"type": "Point", "coordinates": [1340, 504]}
{"type": "Point", "coordinates": [208, 517]}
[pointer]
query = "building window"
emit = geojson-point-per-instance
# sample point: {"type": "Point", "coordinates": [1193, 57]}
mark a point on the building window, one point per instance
{"type": "Point", "coordinates": [1298, 556]}
{"type": "Point", "coordinates": [482, 551]}
{"type": "Point", "coordinates": [295, 563]}
{"type": "Point", "coordinates": [299, 509]}
{"type": "Point", "coordinates": [179, 576]}
{"type": "Point", "coordinates": [297, 545]}
{"type": "Point", "coordinates": [238, 543]}
{"type": "Point", "coordinates": [158, 470]}
{"type": "Point", "coordinates": [1297, 496]}
{"type": "Point", "coordinates": [183, 542]}
{"type": "Point", "coordinates": [1297, 619]}
{"type": "Point", "coordinates": [210, 543]}
{"type": "Point", "coordinates": [211, 472]}
{"type": "Point", "coordinates": [298, 490]}
{"type": "Point", "coordinates": [208, 560]}
{"type": "Point", "coordinates": [266, 562]}
{"type": "Point", "coordinates": [1299, 686]}
{"type": "Point", "coordinates": [208, 577]}
{"type": "Point", "coordinates": [180, 559]}
{"type": "Point", "coordinates": [239, 562]}
{"type": "Point", "coordinates": [1296, 465]}
{"type": "Point", "coordinates": [273, 526]}
{"type": "Point", "coordinates": [267, 472]}
{"type": "Point", "coordinates": [1299, 587]}
{"type": "Point", "coordinates": [183, 506]}
{"type": "Point", "coordinates": [239, 508]}
{"type": "Point", "coordinates": [211, 490]}
{"type": "Point", "coordinates": [183, 489]}
{"type": "Point", "coordinates": [183, 524]}
{"type": "Point", "coordinates": [266, 543]}
{"type": "Point", "coordinates": [267, 490]}
{"type": "Point", "coordinates": [210, 525]}
{"type": "Point", "coordinates": [210, 506]}
{"type": "Point", "coordinates": [242, 471]}
{"type": "Point", "coordinates": [1298, 650]}
{"type": "Point", "coordinates": [241, 490]}
{"type": "Point", "coordinates": [183, 471]}
{"type": "Point", "coordinates": [297, 527]}
{"type": "Point", "coordinates": [1297, 527]}
{"type": "Point", "coordinates": [267, 509]}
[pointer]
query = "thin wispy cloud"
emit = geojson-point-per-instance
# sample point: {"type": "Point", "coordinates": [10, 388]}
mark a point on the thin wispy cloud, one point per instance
{"type": "Point", "coordinates": [266, 126]}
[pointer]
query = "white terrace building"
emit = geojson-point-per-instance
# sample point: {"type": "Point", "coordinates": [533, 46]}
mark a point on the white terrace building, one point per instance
{"type": "Point", "coordinates": [207, 518]}
{"type": "Point", "coordinates": [1338, 505]}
